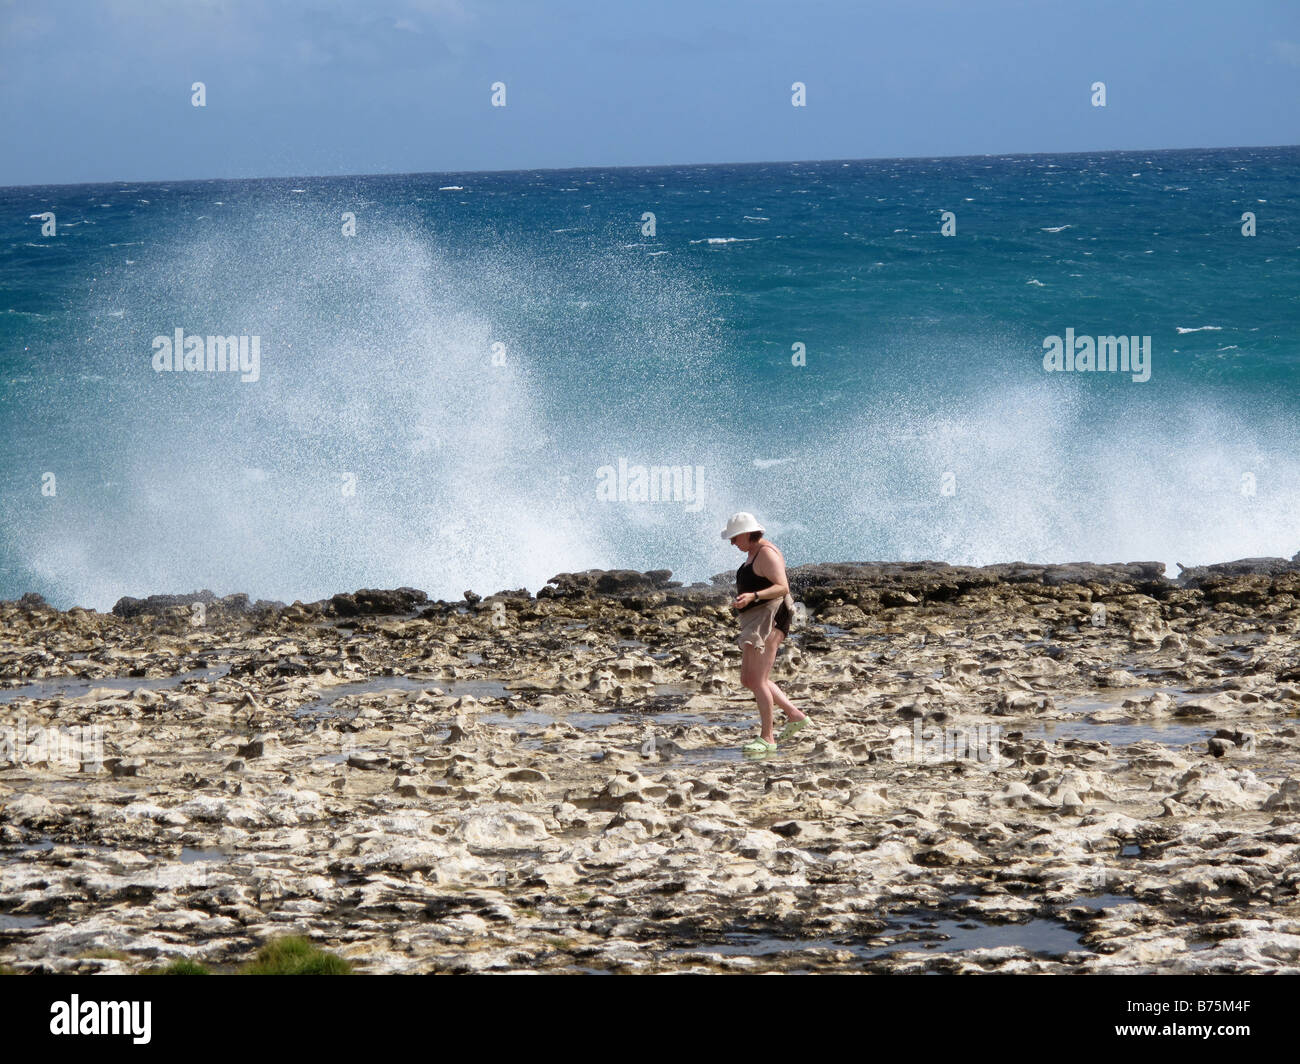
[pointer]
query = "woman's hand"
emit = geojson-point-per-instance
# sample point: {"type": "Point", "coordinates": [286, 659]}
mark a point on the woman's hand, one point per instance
{"type": "Point", "coordinates": [740, 603]}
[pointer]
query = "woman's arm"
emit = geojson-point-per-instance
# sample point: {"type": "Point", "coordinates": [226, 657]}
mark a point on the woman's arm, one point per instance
{"type": "Point", "coordinates": [771, 566]}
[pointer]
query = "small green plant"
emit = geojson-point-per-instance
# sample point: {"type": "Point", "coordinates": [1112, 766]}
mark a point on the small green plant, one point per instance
{"type": "Point", "coordinates": [102, 954]}
{"type": "Point", "coordinates": [295, 956]}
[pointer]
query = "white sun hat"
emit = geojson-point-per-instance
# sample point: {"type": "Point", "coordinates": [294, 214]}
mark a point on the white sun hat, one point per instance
{"type": "Point", "coordinates": [741, 522]}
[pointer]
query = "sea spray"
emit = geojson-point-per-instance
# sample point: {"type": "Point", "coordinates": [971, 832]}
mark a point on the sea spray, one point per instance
{"type": "Point", "coordinates": [436, 391]}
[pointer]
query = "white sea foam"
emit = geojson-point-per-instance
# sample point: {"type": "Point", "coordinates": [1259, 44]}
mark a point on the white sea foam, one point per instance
{"type": "Point", "coordinates": [1025, 489]}
{"type": "Point", "coordinates": [1056, 229]}
{"type": "Point", "coordinates": [463, 474]}
{"type": "Point", "coordinates": [1199, 328]}
{"type": "Point", "coordinates": [473, 475]}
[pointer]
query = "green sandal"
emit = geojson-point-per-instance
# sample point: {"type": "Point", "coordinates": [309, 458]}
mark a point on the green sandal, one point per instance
{"type": "Point", "coordinates": [758, 746]}
{"type": "Point", "coordinates": [793, 727]}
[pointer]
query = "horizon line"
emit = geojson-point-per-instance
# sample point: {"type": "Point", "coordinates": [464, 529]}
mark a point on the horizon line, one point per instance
{"type": "Point", "coordinates": [634, 166]}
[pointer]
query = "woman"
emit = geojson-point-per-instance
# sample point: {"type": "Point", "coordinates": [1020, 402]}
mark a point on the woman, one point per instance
{"type": "Point", "coordinates": [765, 607]}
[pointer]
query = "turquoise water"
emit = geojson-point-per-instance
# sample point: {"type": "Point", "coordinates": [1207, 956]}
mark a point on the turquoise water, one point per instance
{"type": "Point", "coordinates": [380, 445]}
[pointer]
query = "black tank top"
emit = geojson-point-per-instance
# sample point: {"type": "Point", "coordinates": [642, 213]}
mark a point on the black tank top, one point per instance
{"type": "Point", "coordinates": [747, 580]}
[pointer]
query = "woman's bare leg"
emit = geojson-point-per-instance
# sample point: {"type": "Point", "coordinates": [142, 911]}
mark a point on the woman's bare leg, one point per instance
{"type": "Point", "coordinates": [778, 696]}
{"type": "Point", "coordinates": [754, 667]}
{"type": "Point", "coordinates": [787, 707]}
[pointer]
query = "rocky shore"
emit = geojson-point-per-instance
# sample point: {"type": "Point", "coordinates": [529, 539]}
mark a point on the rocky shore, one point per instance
{"type": "Point", "coordinates": [1020, 768]}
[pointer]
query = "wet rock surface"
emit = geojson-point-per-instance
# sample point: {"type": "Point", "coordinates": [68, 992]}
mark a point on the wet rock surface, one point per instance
{"type": "Point", "coordinates": [1018, 768]}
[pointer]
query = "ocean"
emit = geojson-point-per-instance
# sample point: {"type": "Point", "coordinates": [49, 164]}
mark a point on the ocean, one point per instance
{"type": "Point", "coordinates": [478, 380]}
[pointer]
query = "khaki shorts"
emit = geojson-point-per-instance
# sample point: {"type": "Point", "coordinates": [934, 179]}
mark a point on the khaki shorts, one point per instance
{"type": "Point", "coordinates": [759, 622]}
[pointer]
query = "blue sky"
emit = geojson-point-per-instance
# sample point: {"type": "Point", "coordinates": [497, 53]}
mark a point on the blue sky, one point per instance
{"type": "Point", "coordinates": [99, 90]}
